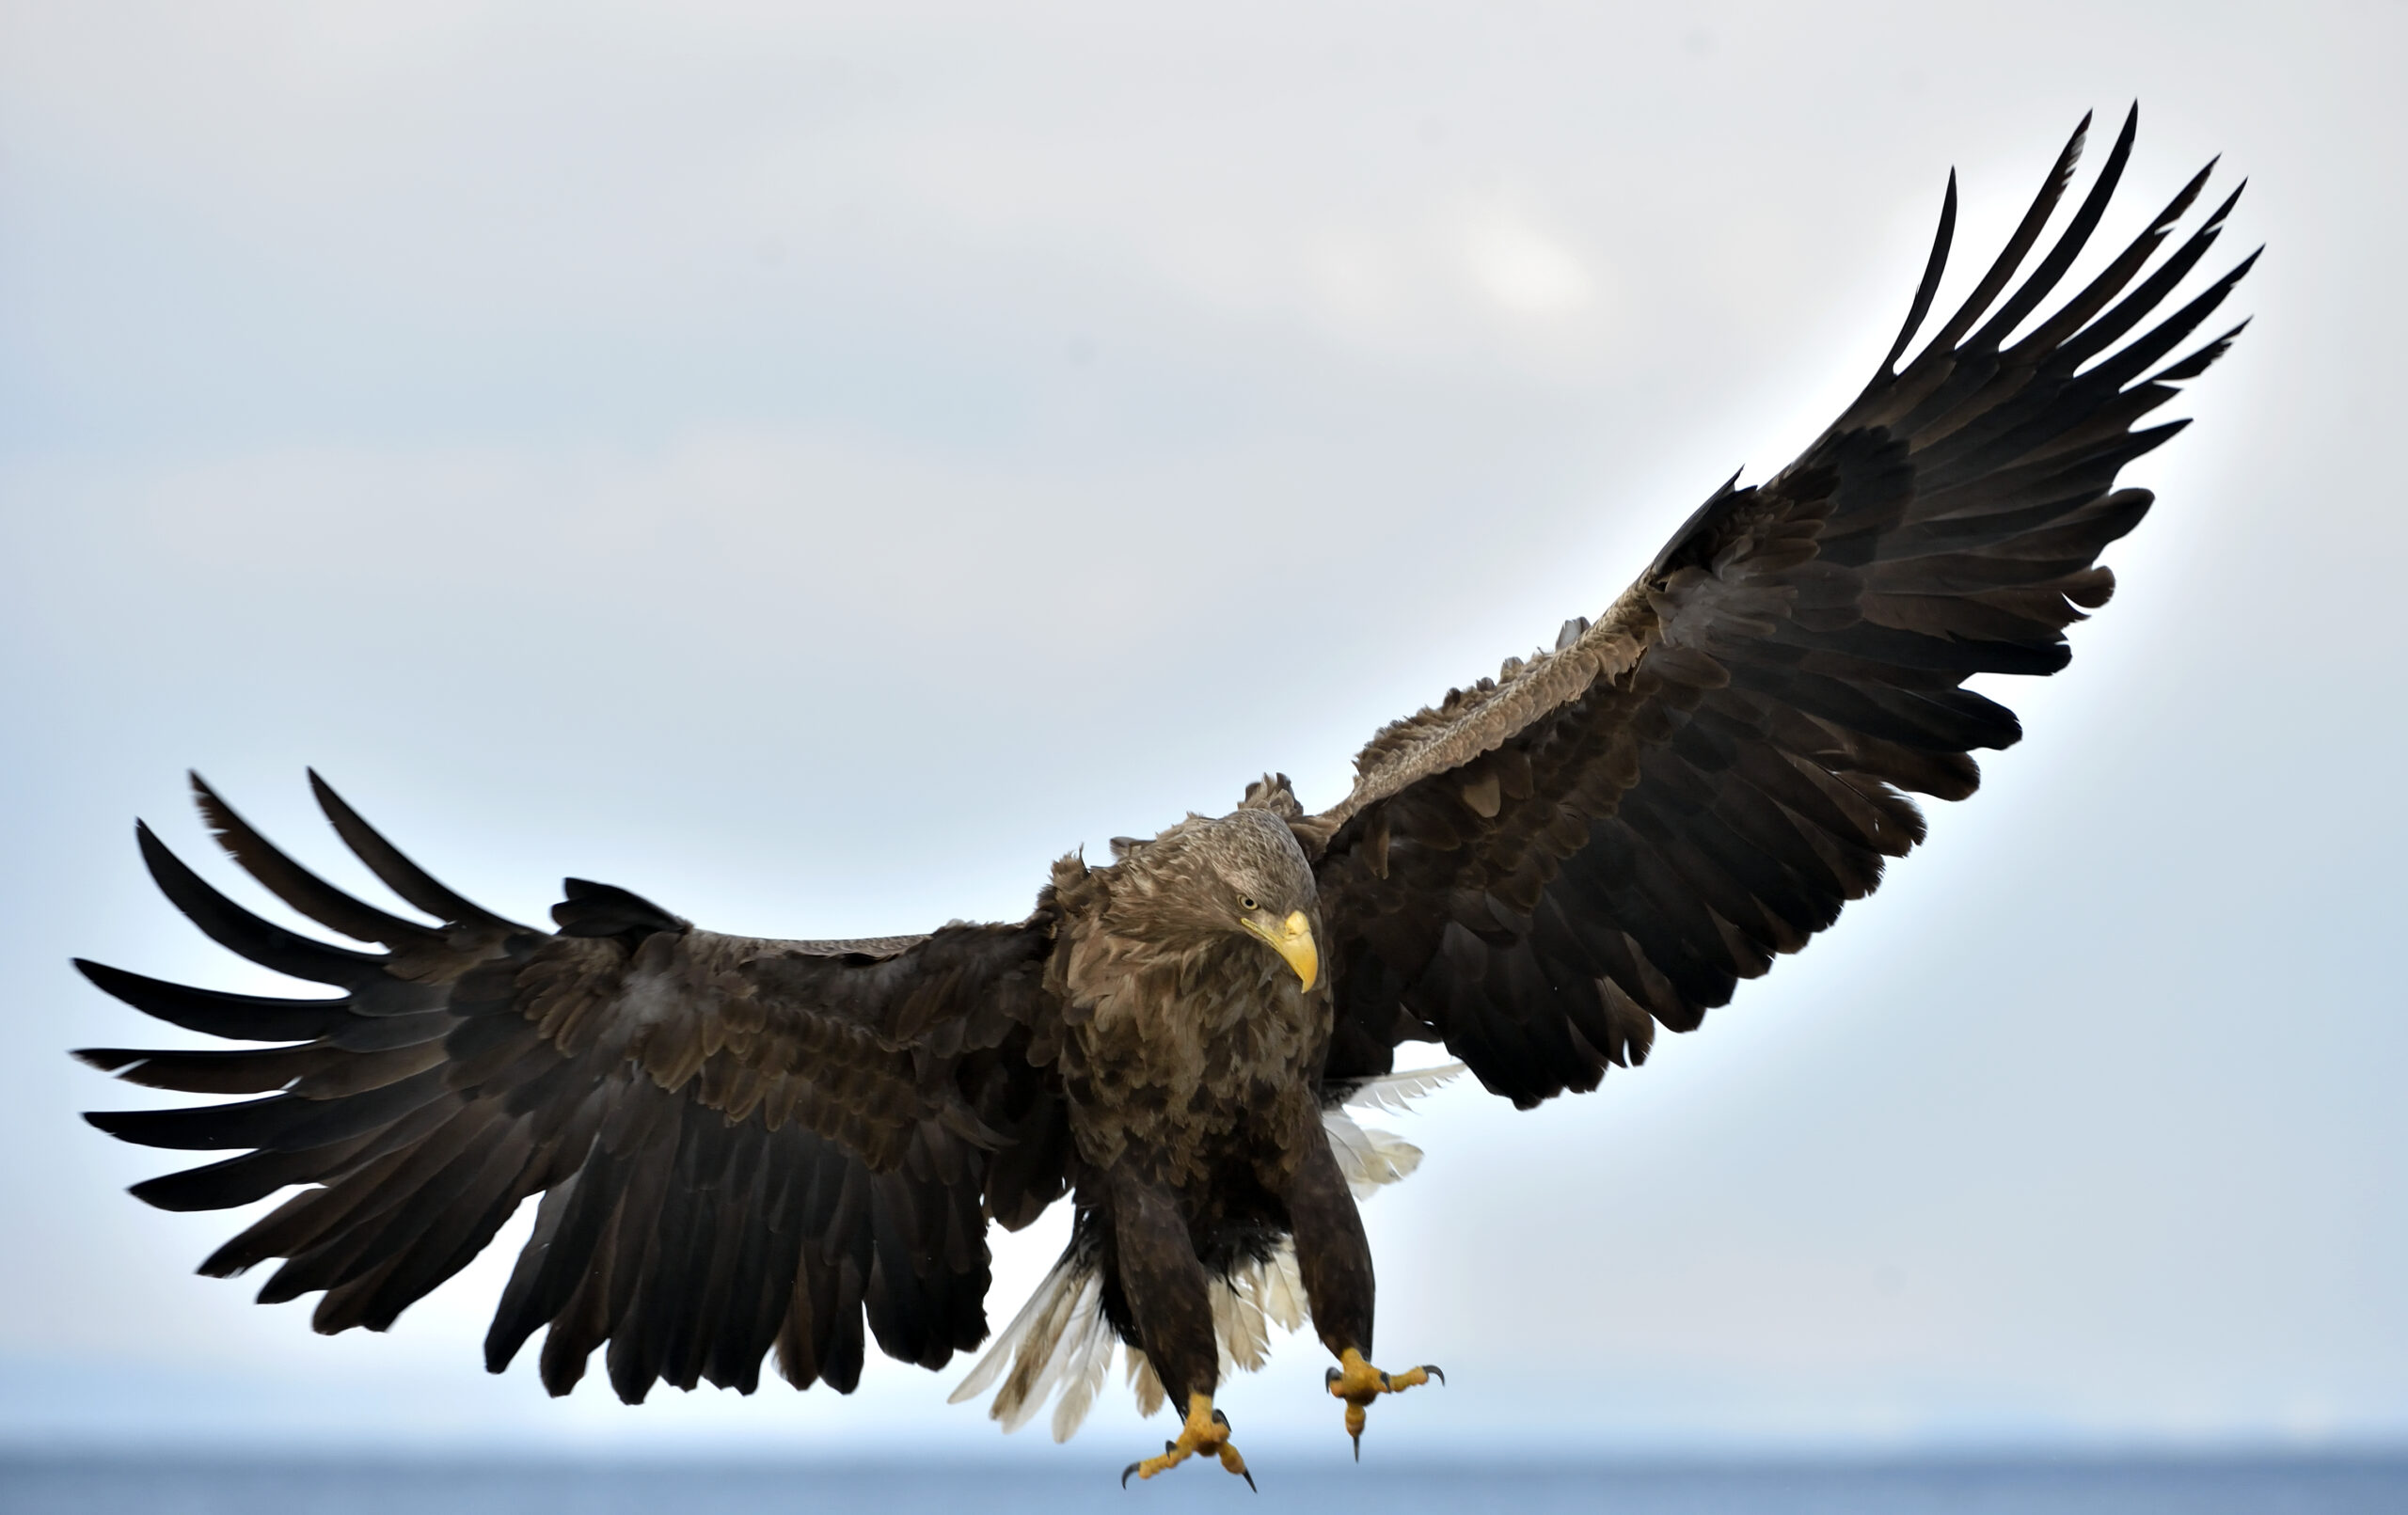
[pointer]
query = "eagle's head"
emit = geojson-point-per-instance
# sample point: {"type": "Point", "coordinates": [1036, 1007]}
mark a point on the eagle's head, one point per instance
{"type": "Point", "coordinates": [1240, 876]}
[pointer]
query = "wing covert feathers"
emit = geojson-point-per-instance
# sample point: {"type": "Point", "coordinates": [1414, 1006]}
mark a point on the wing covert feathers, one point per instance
{"type": "Point", "coordinates": [740, 1146]}
{"type": "Point", "coordinates": [1610, 835]}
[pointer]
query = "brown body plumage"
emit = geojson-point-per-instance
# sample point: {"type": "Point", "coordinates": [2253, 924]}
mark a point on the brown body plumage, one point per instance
{"type": "Point", "coordinates": [744, 1146]}
{"type": "Point", "coordinates": [1190, 1060]}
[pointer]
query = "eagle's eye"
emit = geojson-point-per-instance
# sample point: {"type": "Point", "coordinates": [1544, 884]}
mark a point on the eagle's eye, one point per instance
{"type": "Point", "coordinates": [1245, 902]}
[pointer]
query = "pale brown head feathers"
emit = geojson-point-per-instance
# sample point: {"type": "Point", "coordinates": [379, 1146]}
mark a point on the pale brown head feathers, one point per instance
{"type": "Point", "coordinates": [1209, 879]}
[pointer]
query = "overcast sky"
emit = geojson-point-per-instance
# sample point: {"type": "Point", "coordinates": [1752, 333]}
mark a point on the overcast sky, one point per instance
{"type": "Point", "coordinates": [813, 465]}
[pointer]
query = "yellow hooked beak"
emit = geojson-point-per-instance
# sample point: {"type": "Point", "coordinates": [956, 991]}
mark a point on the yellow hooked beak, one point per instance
{"type": "Point", "coordinates": [1293, 939]}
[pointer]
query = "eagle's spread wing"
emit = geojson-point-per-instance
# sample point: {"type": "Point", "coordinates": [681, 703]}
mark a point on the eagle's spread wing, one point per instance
{"type": "Point", "coordinates": [1615, 833]}
{"type": "Point", "coordinates": [741, 1143]}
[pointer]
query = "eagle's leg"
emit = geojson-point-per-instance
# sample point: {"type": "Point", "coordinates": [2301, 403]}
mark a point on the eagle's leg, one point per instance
{"type": "Point", "coordinates": [1358, 1383]}
{"type": "Point", "coordinates": [1335, 1258]}
{"type": "Point", "coordinates": [1161, 1277]}
{"type": "Point", "coordinates": [1207, 1430]}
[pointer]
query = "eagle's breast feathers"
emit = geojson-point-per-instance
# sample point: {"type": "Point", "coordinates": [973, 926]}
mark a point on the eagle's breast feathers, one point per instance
{"type": "Point", "coordinates": [1181, 1039]}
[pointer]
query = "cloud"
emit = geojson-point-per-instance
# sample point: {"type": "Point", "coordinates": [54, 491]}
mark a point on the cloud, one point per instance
{"type": "Point", "coordinates": [1527, 272]}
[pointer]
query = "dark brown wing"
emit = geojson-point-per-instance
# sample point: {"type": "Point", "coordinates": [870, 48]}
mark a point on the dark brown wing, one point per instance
{"type": "Point", "coordinates": [741, 1143]}
{"type": "Point", "coordinates": [1615, 833]}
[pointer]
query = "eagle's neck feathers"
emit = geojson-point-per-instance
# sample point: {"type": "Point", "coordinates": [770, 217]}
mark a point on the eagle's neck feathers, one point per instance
{"type": "Point", "coordinates": [1186, 1038]}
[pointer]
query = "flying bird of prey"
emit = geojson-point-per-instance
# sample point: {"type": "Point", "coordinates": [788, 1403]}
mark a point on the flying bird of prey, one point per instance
{"type": "Point", "coordinates": [746, 1148]}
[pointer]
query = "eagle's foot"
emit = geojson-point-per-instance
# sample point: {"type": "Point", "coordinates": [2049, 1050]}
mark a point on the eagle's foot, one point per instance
{"type": "Point", "coordinates": [1358, 1383]}
{"type": "Point", "coordinates": [1207, 1430]}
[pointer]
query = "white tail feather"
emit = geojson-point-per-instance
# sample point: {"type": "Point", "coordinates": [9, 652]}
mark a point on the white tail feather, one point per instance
{"type": "Point", "coordinates": [1142, 1382]}
{"type": "Point", "coordinates": [1284, 1298]}
{"type": "Point", "coordinates": [1065, 1311]}
{"type": "Point", "coordinates": [1396, 1092]}
{"type": "Point", "coordinates": [1237, 1318]}
{"type": "Point", "coordinates": [1087, 1356]}
{"type": "Point", "coordinates": [1369, 1158]}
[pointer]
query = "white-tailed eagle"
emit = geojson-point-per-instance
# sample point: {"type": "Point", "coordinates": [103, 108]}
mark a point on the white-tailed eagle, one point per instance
{"type": "Point", "coordinates": [744, 1148]}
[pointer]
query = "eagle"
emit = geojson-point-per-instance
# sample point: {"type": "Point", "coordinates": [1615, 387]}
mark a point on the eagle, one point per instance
{"type": "Point", "coordinates": [745, 1150]}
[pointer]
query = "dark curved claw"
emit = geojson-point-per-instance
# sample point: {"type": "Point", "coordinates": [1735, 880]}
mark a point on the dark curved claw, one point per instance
{"type": "Point", "coordinates": [1249, 1479]}
{"type": "Point", "coordinates": [1330, 1377]}
{"type": "Point", "coordinates": [1133, 1467]}
{"type": "Point", "coordinates": [1431, 1369]}
{"type": "Point", "coordinates": [1221, 1420]}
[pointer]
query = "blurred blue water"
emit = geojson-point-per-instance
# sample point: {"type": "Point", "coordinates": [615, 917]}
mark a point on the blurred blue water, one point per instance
{"type": "Point", "coordinates": [102, 1485]}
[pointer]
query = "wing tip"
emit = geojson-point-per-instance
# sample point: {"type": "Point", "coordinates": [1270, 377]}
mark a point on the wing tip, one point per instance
{"type": "Point", "coordinates": [588, 908]}
{"type": "Point", "coordinates": [225, 826]}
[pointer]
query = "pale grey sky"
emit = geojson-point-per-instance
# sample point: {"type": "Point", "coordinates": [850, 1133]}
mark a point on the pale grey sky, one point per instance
{"type": "Point", "coordinates": [813, 465]}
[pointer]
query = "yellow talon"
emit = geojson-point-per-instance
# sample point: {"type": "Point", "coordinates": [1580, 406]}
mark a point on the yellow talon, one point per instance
{"type": "Point", "coordinates": [1358, 1383]}
{"type": "Point", "coordinates": [1207, 1430]}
